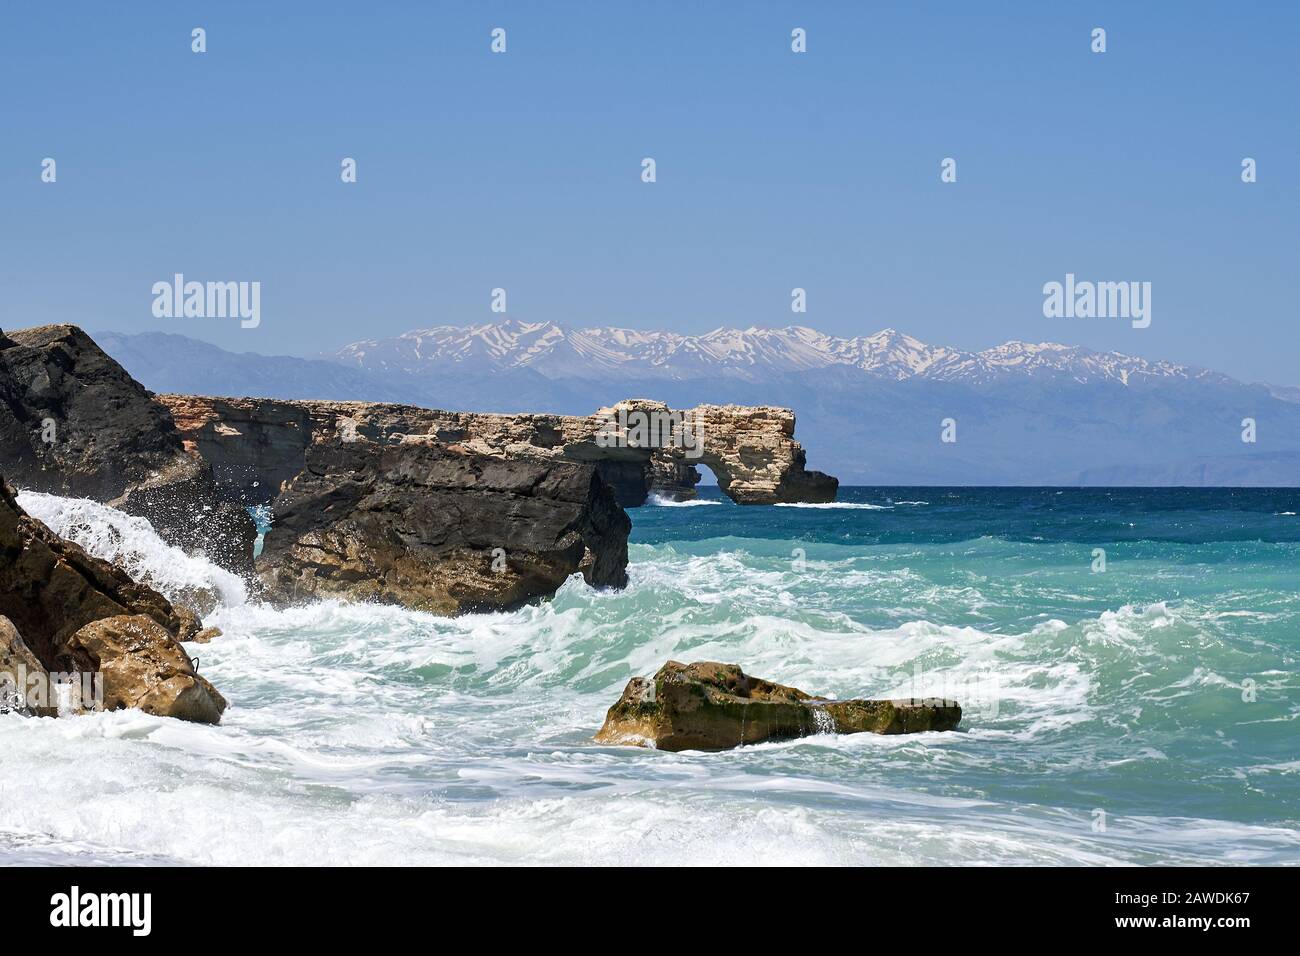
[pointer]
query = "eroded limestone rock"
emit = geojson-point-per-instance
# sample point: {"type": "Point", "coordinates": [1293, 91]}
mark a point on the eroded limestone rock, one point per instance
{"type": "Point", "coordinates": [144, 667]}
{"type": "Point", "coordinates": [711, 706]}
{"type": "Point", "coordinates": [256, 444]}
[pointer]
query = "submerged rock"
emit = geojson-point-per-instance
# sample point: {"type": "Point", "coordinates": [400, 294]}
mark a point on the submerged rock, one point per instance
{"type": "Point", "coordinates": [203, 635]}
{"type": "Point", "coordinates": [53, 591]}
{"type": "Point", "coordinates": [710, 706]}
{"type": "Point", "coordinates": [440, 529]}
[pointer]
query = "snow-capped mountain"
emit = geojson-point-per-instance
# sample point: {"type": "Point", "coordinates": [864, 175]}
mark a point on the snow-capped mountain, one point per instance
{"type": "Point", "coordinates": [870, 409]}
{"type": "Point", "coordinates": [754, 354]}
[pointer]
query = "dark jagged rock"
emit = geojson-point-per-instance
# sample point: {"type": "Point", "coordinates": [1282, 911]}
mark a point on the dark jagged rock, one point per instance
{"type": "Point", "coordinates": [58, 597]}
{"type": "Point", "coordinates": [73, 422]}
{"type": "Point", "coordinates": [799, 484]}
{"type": "Point", "coordinates": [103, 434]}
{"type": "Point", "coordinates": [672, 480]}
{"type": "Point", "coordinates": [710, 706]}
{"type": "Point", "coordinates": [631, 481]}
{"type": "Point", "coordinates": [439, 528]}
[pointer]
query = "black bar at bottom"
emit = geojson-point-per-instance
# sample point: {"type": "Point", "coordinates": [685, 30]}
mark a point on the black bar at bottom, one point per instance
{"type": "Point", "coordinates": [232, 906]}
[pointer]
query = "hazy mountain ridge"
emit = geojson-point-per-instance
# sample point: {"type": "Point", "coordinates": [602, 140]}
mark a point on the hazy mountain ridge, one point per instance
{"type": "Point", "coordinates": [167, 362]}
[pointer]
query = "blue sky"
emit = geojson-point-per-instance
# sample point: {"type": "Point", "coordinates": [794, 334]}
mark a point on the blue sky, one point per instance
{"type": "Point", "coordinates": [775, 170]}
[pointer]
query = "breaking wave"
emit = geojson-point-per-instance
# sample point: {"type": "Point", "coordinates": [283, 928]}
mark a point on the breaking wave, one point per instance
{"type": "Point", "coordinates": [659, 501]}
{"type": "Point", "coordinates": [130, 543]}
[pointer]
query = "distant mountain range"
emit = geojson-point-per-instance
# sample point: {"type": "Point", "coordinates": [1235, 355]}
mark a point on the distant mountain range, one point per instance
{"type": "Point", "coordinates": [870, 409]}
{"type": "Point", "coordinates": [751, 355]}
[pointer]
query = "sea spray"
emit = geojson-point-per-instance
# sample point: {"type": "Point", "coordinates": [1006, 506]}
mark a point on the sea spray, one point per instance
{"type": "Point", "coordinates": [823, 720]}
{"type": "Point", "coordinates": [130, 543]}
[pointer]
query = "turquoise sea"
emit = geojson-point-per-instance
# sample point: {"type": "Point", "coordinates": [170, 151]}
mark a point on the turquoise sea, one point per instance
{"type": "Point", "coordinates": [1144, 713]}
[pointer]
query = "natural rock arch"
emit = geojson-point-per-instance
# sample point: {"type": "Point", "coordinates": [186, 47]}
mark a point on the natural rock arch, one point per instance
{"type": "Point", "coordinates": [255, 444]}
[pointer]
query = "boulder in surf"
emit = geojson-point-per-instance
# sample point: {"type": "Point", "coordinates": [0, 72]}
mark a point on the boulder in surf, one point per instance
{"type": "Point", "coordinates": [711, 706]}
{"type": "Point", "coordinates": [143, 667]}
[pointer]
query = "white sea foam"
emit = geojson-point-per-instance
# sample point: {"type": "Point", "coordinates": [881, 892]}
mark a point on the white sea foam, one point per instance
{"type": "Point", "coordinates": [844, 505]}
{"type": "Point", "coordinates": [659, 501]}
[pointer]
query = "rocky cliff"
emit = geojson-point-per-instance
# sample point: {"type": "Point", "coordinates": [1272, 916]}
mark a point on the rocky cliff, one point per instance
{"type": "Point", "coordinates": [447, 511]}
{"type": "Point", "coordinates": [73, 422]}
{"type": "Point", "coordinates": [254, 444]}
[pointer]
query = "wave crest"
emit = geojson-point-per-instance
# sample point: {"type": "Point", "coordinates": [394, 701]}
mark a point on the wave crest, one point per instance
{"type": "Point", "coordinates": [132, 544]}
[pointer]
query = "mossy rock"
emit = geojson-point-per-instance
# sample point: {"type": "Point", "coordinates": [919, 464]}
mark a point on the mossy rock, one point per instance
{"type": "Point", "coordinates": [712, 706]}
